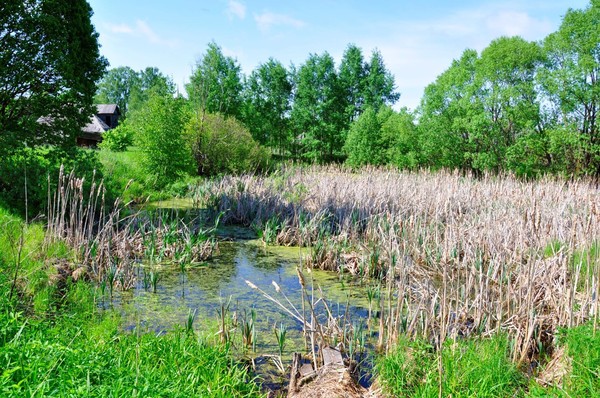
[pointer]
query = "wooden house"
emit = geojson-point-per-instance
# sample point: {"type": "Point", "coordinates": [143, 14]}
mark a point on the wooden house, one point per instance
{"type": "Point", "coordinates": [106, 118]}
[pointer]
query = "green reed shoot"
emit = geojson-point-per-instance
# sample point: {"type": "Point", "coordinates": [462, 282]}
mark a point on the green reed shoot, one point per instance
{"type": "Point", "coordinates": [280, 336]}
{"type": "Point", "coordinates": [189, 324]}
{"type": "Point", "coordinates": [249, 329]}
{"type": "Point", "coordinates": [154, 278]}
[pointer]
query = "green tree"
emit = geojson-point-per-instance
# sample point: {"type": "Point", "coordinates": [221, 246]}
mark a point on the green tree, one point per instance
{"type": "Point", "coordinates": [352, 77]}
{"type": "Point", "coordinates": [49, 65]}
{"type": "Point", "coordinates": [318, 112]}
{"type": "Point", "coordinates": [216, 84]}
{"type": "Point", "coordinates": [365, 144]}
{"type": "Point", "coordinates": [506, 88]}
{"type": "Point", "coordinates": [160, 128]}
{"type": "Point", "coordinates": [150, 81]}
{"type": "Point", "coordinates": [267, 104]}
{"type": "Point", "coordinates": [401, 138]}
{"type": "Point", "coordinates": [449, 113]}
{"type": "Point", "coordinates": [571, 81]}
{"type": "Point", "coordinates": [116, 87]}
{"type": "Point", "coordinates": [379, 88]}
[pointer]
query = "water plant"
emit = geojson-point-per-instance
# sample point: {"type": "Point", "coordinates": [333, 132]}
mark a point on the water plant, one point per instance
{"type": "Point", "coordinates": [189, 324]}
{"type": "Point", "coordinates": [154, 277]}
{"type": "Point", "coordinates": [280, 335]}
{"type": "Point", "coordinates": [248, 328]}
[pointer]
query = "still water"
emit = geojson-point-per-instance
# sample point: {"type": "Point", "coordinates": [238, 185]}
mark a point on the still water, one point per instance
{"type": "Point", "coordinates": [221, 282]}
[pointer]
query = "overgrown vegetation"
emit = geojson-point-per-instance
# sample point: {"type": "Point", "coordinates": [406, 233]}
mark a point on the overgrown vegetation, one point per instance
{"type": "Point", "coordinates": [467, 260]}
{"type": "Point", "coordinates": [53, 340]}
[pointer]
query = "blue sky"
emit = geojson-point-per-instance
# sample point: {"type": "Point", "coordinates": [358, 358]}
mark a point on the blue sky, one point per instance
{"type": "Point", "coordinates": [418, 40]}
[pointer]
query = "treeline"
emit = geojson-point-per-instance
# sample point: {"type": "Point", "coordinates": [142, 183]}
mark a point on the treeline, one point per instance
{"type": "Point", "coordinates": [526, 107]}
{"type": "Point", "coordinates": [298, 113]}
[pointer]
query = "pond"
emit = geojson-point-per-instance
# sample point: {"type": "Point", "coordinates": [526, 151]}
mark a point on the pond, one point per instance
{"type": "Point", "coordinates": [219, 283]}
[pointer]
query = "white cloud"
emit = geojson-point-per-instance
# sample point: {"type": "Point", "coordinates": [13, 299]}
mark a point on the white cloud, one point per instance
{"type": "Point", "coordinates": [142, 29]}
{"type": "Point", "coordinates": [266, 20]}
{"type": "Point", "coordinates": [121, 28]}
{"type": "Point", "coordinates": [236, 9]}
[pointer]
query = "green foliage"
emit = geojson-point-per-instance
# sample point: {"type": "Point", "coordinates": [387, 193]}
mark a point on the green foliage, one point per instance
{"type": "Point", "coordinates": [352, 76]}
{"type": "Point", "coordinates": [364, 144]}
{"type": "Point", "coordinates": [317, 114]}
{"type": "Point", "coordinates": [124, 170]}
{"type": "Point", "coordinates": [223, 145]}
{"type": "Point", "coordinates": [216, 85]}
{"type": "Point", "coordinates": [49, 65]}
{"type": "Point", "coordinates": [117, 139]}
{"type": "Point", "coordinates": [583, 347]}
{"type": "Point", "coordinates": [379, 88]}
{"type": "Point", "coordinates": [571, 84]}
{"type": "Point", "coordinates": [34, 168]}
{"type": "Point", "coordinates": [65, 348]}
{"type": "Point", "coordinates": [267, 103]}
{"type": "Point", "coordinates": [529, 155]}
{"type": "Point", "coordinates": [447, 115]}
{"type": "Point", "coordinates": [401, 137]}
{"type": "Point", "coordinates": [116, 87]}
{"type": "Point", "coordinates": [470, 368]}
{"type": "Point", "coordinates": [159, 129]}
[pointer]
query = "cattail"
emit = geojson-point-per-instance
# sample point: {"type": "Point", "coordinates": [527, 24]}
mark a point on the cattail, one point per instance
{"type": "Point", "coordinates": [277, 288]}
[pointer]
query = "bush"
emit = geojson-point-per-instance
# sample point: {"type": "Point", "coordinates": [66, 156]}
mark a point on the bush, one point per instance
{"type": "Point", "coordinates": [159, 133]}
{"type": "Point", "coordinates": [223, 145]}
{"type": "Point", "coordinates": [117, 139]}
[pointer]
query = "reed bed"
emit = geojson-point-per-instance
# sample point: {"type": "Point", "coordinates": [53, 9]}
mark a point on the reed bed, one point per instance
{"type": "Point", "coordinates": [457, 256]}
{"type": "Point", "coordinates": [110, 243]}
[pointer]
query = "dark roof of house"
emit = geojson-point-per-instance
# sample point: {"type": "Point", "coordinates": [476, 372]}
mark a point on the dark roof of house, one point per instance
{"type": "Point", "coordinates": [108, 109]}
{"type": "Point", "coordinates": [96, 125]}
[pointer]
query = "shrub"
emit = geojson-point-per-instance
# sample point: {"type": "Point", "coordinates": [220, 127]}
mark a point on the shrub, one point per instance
{"type": "Point", "coordinates": [159, 133]}
{"type": "Point", "coordinates": [223, 145]}
{"type": "Point", "coordinates": [117, 139]}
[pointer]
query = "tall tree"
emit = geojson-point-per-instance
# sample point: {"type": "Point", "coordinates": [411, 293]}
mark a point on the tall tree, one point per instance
{"type": "Point", "coordinates": [506, 87]}
{"type": "Point", "coordinates": [116, 87]}
{"type": "Point", "coordinates": [49, 65]}
{"type": "Point", "coordinates": [216, 84]}
{"type": "Point", "coordinates": [267, 104]}
{"type": "Point", "coordinates": [379, 87]}
{"type": "Point", "coordinates": [150, 81]}
{"type": "Point", "coordinates": [352, 76]}
{"type": "Point", "coordinates": [160, 124]}
{"type": "Point", "coordinates": [571, 79]}
{"type": "Point", "coordinates": [450, 111]}
{"type": "Point", "coordinates": [365, 144]}
{"type": "Point", "coordinates": [318, 114]}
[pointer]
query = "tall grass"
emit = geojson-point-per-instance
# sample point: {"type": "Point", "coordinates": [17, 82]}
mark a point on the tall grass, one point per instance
{"type": "Point", "coordinates": [458, 256]}
{"type": "Point", "coordinates": [110, 240]}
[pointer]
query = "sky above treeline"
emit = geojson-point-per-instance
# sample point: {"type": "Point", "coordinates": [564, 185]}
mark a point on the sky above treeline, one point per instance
{"type": "Point", "coordinates": [418, 39]}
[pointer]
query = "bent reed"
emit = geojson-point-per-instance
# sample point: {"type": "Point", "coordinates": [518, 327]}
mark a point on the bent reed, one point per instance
{"type": "Point", "coordinates": [457, 256]}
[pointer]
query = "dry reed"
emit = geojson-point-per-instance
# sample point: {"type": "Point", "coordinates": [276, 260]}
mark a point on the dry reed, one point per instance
{"type": "Point", "coordinates": [459, 255]}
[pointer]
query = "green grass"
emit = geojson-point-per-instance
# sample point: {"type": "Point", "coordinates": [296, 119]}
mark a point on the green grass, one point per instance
{"type": "Point", "coordinates": [54, 342]}
{"type": "Point", "coordinates": [471, 368]}
{"type": "Point", "coordinates": [90, 357]}
{"type": "Point", "coordinates": [583, 346]}
{"type": "Point", "coordinates": [124, 169]}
